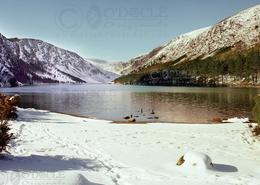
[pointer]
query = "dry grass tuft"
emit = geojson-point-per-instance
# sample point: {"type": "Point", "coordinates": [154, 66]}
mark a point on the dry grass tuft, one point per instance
{"type": "Point", "coordinates": [256, 130]}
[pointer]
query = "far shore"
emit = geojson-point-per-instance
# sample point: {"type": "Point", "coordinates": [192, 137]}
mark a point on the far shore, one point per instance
{"type": "Point", "coordinates": [117, 83]}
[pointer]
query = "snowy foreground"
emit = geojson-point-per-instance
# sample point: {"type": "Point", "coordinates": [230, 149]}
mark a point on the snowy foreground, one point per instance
{"type": "Point", "coordinates": [59, 149]}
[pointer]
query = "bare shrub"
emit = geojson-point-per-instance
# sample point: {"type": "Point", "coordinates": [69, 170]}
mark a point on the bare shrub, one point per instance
{"type": "Point", "coordinates": [7, 111]}
{"type": "Point", "coordinates": [256, 114]}
{"type": "Point", "coordinates": [5, 135]}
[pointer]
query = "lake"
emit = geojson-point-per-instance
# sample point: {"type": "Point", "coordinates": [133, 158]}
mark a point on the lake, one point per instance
{"type": "Point", "coordinates": [113, 102]}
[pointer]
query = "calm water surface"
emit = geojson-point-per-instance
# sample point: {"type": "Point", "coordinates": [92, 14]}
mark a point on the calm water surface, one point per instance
{"type": "Point", "coordinates": [113, 102]}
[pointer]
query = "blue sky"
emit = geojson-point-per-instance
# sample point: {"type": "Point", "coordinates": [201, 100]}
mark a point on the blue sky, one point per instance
{"type": "Point", "coordinates": [111, 29]}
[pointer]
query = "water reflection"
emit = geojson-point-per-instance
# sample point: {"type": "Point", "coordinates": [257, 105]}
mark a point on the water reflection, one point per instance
{"type": "Point", "coordinates": [171, 104]}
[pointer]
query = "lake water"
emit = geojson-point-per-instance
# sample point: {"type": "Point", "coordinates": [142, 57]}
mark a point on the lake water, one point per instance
{"type": "Point", "coordinates": [113, 102]}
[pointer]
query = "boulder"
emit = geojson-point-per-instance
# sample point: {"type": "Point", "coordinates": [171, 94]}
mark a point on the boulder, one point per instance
{"type": "Point", "coordinates": [131, 120]}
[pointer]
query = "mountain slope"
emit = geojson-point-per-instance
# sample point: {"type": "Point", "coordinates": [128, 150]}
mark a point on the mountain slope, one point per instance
{"type": "Point", "coordinates": [114, 67]}
{"type": "Point", "coordinates": [34, 61]}
{"type": "Point", "coordinates": [242, 29]}
{"type": "Point", "coordinates": [239, 32]}
{"type": "Point", "coordinates": [173, 50]}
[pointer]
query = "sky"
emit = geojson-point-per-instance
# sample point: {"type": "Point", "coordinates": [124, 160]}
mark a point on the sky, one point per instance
{"type": "Point", "coordinates": [114, 30]}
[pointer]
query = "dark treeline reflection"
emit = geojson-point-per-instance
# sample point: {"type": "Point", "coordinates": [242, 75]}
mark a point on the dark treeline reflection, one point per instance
{"type": "Point", "coordinates": [170, 104]}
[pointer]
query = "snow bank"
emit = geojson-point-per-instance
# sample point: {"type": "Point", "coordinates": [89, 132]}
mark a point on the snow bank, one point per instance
{"type": "Point", "coordinates": [196, 160]}
{"type": "Point", "coordinates": [236, 120]}
{"type": "Point", "coordinates": [58, 149]}
{"type": "Point", "coordinates": [76, 179]}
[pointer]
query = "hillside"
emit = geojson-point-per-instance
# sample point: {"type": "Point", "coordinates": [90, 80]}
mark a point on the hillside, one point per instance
{"type": "Point", "coordinates": [233, 38]}
{"type": "Point", "coordinates": [114, 67]}
{"type": "Point", "coordinates": [30, 61]}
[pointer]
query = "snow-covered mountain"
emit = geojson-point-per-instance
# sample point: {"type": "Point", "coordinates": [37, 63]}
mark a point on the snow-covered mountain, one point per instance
{"type": "Point", "coordinates": [114, 67]}
{"type": "Point", "coordinates": [28, 61]}
{"type": "Point", "coordinates": [240, 30]}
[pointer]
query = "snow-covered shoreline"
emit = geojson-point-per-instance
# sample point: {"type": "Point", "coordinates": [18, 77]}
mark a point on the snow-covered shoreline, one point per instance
{"type": "Point", "coordinates": [52, 148]}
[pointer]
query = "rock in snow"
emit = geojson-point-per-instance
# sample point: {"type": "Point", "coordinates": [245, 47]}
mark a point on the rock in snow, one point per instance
{"type": "Point", "coordinates": [196, 160]}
